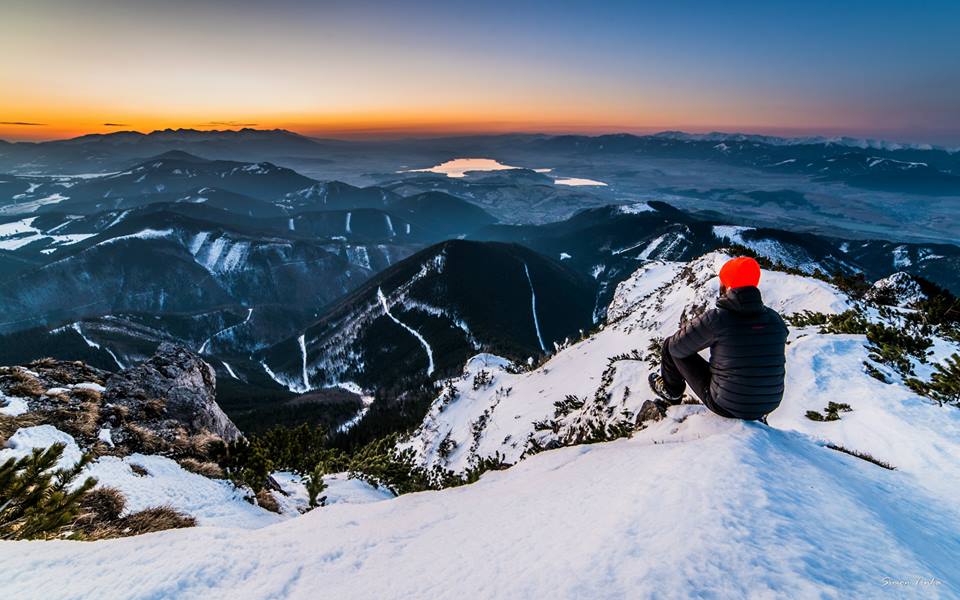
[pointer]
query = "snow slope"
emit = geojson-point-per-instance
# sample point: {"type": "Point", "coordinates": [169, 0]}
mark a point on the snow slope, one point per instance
{"type": "Point", "coordinates": [499, 416]}
{"type": "Point", "coordinates": [694, 506]}
{"type": "Point", "coordinates": [691, 506]}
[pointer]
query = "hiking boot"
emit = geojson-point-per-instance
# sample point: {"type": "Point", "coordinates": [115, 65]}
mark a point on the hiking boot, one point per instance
{"type": "Point", "coordinates": [658, 387]}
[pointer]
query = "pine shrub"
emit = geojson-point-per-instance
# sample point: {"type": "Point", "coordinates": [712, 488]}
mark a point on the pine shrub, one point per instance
{"type": "Point", "coordinates": [315, 487]}
{"type": "Point", "coordinates": [37, 500]}
{"type": "Point", "coordinates": [944, 385]}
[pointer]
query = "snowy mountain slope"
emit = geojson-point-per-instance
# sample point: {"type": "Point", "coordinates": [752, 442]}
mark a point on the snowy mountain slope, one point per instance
{"type": "Point", "coordinates": [141, 264]}
{"type": "Point", "coordinates": [510, 413]}
{"type": "Point", "coordinates": [693, 506]}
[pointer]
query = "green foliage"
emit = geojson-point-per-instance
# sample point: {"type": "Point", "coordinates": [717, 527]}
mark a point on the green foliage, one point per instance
{"type": "Point", "coordinates": [315, 486]}
{"type": "Point", "coordinates": [569, 404]}
{"type": "Point", "coordinates": [246, 463]}
{"type": "Point", "coordinates": [849, 321]}
{"type": "Point", "coordinates": [446, 447]}
{"type": "Point", "coordinates": [855, 285]}
{"type": "Point", "coordinates": [475, 471]}
{"type": "Point", "coordinates": [832, 411]}
{"type": "Point", "coordinates": [874, 372]}
{"type": "Point", "coordinates": [380, 463]}
{"type": "Point", "coordinates": [894, 346]}
{"type": "Point", "coordinates": [655, 353]}
{"type": "Point", "coordinates": [939, 306]}
{"type": "Point", "coordinates": [36, 499]}
{"type": "Point", "coordinates": [944, 384]}
{"type": "Point", "coordinates": [862, 456]}
{"type": "Point", "coordinates": [482, 379]}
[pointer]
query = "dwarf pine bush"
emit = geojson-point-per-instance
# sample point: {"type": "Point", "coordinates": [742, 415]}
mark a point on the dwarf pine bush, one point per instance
{"type": "Point", "coordinates": [37, 500]}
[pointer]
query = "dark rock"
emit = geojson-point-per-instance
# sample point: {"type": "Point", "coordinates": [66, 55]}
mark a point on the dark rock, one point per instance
{"type": "Point", "coordinates": [651, 411]}
{"type": "Point", "coordinates": [173, 385]}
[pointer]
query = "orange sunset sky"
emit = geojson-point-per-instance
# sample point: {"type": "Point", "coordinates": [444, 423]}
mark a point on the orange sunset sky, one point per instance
{"type": "Point", "coordinates": [366, 68]}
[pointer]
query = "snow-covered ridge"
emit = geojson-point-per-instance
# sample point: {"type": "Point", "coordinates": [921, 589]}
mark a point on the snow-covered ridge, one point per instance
{"type": "Point", "coordinates": [498, 411]}
{"type": "Point", "coordinates": [863, 143]}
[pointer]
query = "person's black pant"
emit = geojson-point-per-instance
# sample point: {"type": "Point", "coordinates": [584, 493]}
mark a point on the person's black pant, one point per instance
{"type": "Point", "coordinates": [678, 373]}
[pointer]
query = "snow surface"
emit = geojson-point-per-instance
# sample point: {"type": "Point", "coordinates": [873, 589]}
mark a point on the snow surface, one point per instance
{"type": "Point", "coordinates": [358, 256]}
{"type": "Point", "coordinates": [635, 208]}
{"type": "Point", "coordinates": [213, 502]}
{"type": "Point", "coordinates": [229, 369]}
{"type": "Point", "coordinates": [302, 342]}
{"type": "Point", "coordinates": [220, 255]}
{"type": "Point", "coordinates": [341, 489]}
{"type": "Point", "coordinates": [389, 225]}
{"type": "Point", "coordinates": [145, 234]}
{"type": "Point", "coordinates": [696, 506]}
{"type": "Point", "coordinates": [25, 439]}
{"type": "Point", "coordinates": [785, 254]}
{"type": "Point", "coordinates": [12, 405]}
{"type": "Point", "coordinates": [17, 234]}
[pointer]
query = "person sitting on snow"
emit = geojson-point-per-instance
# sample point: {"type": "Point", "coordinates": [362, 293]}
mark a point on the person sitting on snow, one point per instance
{"type": "Point", "coordinates": [747, 341]}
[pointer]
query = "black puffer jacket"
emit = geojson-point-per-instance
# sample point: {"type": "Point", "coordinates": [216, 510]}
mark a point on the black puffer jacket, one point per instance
{"type": "Point", "coordinates": [747, 342]}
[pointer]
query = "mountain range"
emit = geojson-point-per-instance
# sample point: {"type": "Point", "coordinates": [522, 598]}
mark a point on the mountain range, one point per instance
{"type": "Point", "coordinates": [297, 284]}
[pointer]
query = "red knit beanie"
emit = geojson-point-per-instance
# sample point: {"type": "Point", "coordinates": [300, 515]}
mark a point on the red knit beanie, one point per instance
{"type": "Point", "coordinates": [742, 271]}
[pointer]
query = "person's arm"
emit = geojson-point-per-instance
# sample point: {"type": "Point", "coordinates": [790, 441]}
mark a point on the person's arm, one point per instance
{"type": "Point", "coordinates": [694, 335]}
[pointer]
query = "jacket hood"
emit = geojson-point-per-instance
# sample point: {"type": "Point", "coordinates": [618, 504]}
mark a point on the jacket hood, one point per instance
{"type": "Point", "coordinates": [744, 300]}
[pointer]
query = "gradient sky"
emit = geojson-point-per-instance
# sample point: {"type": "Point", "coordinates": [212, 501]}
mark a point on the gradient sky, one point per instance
{"type": "Point", "coordinates": [868, 68]}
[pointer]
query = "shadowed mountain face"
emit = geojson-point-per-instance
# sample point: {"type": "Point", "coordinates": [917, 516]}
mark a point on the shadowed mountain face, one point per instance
{"type": "Point", "coordinates": [425, 315]}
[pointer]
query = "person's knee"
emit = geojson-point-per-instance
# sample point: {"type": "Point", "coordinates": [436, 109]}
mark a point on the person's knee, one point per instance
{"type": "Point", "coordinates": [665, 348]}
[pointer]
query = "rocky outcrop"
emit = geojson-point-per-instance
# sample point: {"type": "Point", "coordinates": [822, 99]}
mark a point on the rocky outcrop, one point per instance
{"type": "Point", "coordinates": [173, 385]}
{"type": "Point", "coordinates": [166, 405]}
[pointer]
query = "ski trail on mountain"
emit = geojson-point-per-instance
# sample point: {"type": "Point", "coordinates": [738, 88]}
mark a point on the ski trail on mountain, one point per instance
{"type": "Point", "coordinates": [302, 340]}
{"type": "Point", "coordinates": [390, 225]}
{"type": "Point", "coordinates": [533, 306]}
{"type": "Point", "coordinates": [96, 346]}
{"type": "Point", "coordinates": [414, 332]}
{"type": "Point", "coordinates": [229, 370]}
{"type": "Point", "coordinates": [206, 343]}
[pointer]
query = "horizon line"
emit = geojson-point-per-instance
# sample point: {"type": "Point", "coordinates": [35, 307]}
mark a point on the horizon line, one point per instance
{"type": "Point", "coordinates": [403, 133]}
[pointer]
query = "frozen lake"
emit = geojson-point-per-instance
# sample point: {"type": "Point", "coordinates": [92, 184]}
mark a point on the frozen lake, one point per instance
{"type": "Point", "coordinates": [459, 167]}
